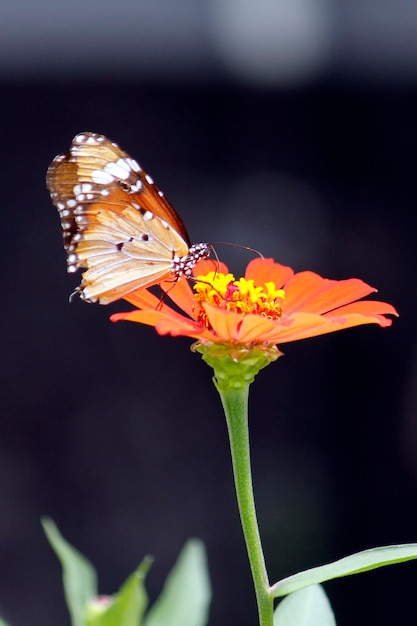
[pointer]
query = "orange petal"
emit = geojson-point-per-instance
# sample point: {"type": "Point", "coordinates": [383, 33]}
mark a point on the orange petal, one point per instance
{"type": "Point", "coordinates": [223, 323]}
{"type": "Point", "coordinates": [235, 328]}
{"type": "Point", "coordinates": [181, 294]}
{"type": "Point", "coordinates": [143, 299]}
{"type": "Point", "coordinates": [150, 316]}
{"type": "Point", "coordinates": [255, 329]}
{"type": "Point", "coordinates": [365, 307]}
{"type": "Point", "coordinates": [166, 322]}
{"type": "Point", "coordinates": [266, 270]}
{"type": "Point", "coordinates": [184, 327]}
{"type": "Point", "coordinates": [296, 326]}
{"type": "Point", "coordinates": [313, 294]}
{"type": "Point", "coordinates": [304, 325]}
{"type": "Point", "coordinates": [205, 266]}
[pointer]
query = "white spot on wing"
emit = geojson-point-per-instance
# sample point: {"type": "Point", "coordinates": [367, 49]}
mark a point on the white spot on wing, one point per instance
{"type": "Point", "coordinates": [120, 169]}
{"type": "Point", "coordinates": [82, 188]}
{"type": "Point", "coordinates": [134, 165]}
{"type": "Point", "coordinates": [136, 187]}
{"type": "Point", "coordinates": [101, 177]}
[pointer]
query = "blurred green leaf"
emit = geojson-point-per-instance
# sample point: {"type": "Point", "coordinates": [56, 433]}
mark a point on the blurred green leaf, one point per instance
{"type": "Point", "coordinates": [185, 598]}
{"type": "Point", "coordinates": [353, 564]}
{"type": "Point", "coordinates": [3, 623]}
{"type": "Point", "coordinates": [79, 576]}
{"type": "Point", "coordinates": [307, 607]}
{"type": "Point", "coordinates": [126, 608]}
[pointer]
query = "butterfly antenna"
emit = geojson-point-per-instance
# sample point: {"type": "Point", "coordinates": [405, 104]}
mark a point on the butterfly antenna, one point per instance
{"type": "Point", "coordinates": [216, 257]}
{"type": "Point", "coordinates": [235, 245]}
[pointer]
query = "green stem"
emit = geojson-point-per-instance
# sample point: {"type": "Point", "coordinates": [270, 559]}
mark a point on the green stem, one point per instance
{"type": "Point", "coordinates": [235, 404]}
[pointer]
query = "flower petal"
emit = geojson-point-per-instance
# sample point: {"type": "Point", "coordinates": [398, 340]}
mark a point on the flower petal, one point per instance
{"type": "Point", "coordinates": [224, 323]}
{"type": "Point", "coordinates": [305, 325]}
{"type": "Point", "coordinates": [181, 294]}
{"type": "Point", "coordinates": [143, 299]}
{"type": "Point", "coordinates": [183, 328]}
{"type": "Point", "coordinates": [371, 308]}
{"type": "Point", "coordinates": [151, 317]}
{"type": "Point", "coordinates": [266, 270]}
{"type": "Point", "coordinates": [255, 329]}
{"type": "Point", "coordinates": [312, 306]}
{"type": "Point", "coordinates": [232, 327]}
{"type": "Point", "coordinates": [166, 322]}
{"type": "Point", "coordinates": [313, 294]}
{"type": "Point", "coordinates": [298, 325]}
{"type": "Point", "coordinates": [205, 266]}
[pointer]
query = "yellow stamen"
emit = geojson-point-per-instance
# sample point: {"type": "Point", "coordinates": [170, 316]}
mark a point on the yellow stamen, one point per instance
{"type": "Point", "coordinates": [238, 296]}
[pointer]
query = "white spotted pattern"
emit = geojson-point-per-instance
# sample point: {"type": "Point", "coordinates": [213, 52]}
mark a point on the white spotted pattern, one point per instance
{"type": "Point", "coordinates": [116, 224]}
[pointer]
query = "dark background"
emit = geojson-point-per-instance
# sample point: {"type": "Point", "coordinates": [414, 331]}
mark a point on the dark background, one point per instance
{"type": "Point", "coordinates": [117, 433]}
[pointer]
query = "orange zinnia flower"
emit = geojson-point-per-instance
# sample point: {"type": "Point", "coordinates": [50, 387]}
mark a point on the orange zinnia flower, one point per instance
{"type": "Point", "coordinates": [270, 305]}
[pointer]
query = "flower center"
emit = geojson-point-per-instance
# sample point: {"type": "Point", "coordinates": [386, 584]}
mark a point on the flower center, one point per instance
{"type": "Point", "coordinates": [237, 296]}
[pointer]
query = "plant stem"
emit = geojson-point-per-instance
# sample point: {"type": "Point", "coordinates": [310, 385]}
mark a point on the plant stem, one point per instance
{"type": "Point", "coordinates": [235, 404]}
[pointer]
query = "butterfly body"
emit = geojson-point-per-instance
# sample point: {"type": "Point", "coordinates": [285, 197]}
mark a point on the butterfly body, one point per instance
{"type": "Point", "coordinates": [116, 224]}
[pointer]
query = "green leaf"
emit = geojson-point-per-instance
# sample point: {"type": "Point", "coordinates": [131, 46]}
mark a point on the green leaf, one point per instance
{"type": "Point", "coordinates": [3, 623]}
{"type": "Point", "coordinates": [353, 564]}
{"type": "Point", "coordinates": [185, 598]}
{"type": "Point", "coordinates": [79, 576]}
{"type": "Point", "coordinates": [307, 607]}
{"type": "Point", "coordinates": [126, 608]}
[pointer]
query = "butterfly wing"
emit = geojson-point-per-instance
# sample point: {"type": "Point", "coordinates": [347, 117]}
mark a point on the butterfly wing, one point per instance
{"type": "Point", "coordinates": [115, 221]}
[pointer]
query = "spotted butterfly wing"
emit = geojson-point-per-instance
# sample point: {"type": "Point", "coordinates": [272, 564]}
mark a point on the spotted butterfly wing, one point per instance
{"type": "Point", "coordinates": [116, 224]}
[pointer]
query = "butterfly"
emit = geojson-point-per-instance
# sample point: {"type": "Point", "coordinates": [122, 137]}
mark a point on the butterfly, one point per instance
{"type": "Point", "coordinates": [116, 223]}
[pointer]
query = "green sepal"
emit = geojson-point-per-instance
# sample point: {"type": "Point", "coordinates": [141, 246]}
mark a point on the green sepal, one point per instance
{"type": "Point", "coordinates": [235, 366]}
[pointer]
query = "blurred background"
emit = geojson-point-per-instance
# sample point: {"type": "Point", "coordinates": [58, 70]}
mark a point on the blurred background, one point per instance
{"type": "Point", "coordinates": [286, 125]}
